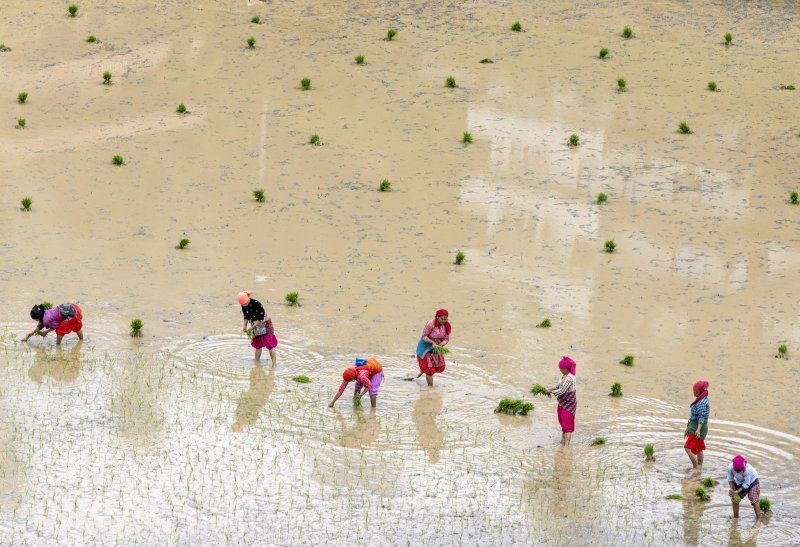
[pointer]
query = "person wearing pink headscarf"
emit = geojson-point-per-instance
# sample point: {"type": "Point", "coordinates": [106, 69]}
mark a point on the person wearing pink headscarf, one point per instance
{"type": "Point", "coordinates": [697, 427]}
{"type": "Point", "coordinates": [743, 482]}
{"type": "Point", "coordinates": [565, 392]}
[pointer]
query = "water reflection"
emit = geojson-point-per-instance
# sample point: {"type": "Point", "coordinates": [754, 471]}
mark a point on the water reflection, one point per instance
{"type": "Point", "coordinates": [63, 366]}
{"type": "Point", "coordinates": [362, 430]}
{"type": "Point", "coordinates": [252, 401]}
{"type": "Point", "coordinates": [735, 536]}
{"type": "Point", "coordinates": [562, 480]}
{"type": "Point", "coordinates": [430, 436]}
{"type": "Point", "coordinates": [692, 510]}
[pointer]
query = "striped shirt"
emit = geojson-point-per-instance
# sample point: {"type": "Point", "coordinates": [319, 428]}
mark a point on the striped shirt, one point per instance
{"type": "Point", "coordinates": [566, 392]}
{"type": "Point", "coordinates": [744, 478]}
{"type": "Point", "coordinates": [700, 411]}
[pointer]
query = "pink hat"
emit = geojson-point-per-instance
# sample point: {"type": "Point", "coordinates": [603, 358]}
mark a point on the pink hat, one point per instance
{"type": "Point", "coordinates": [739, 463]}
{"type": "Point", "coordinates": [243, 298]}
{"type": "Point", "coordinates": [566, 362]}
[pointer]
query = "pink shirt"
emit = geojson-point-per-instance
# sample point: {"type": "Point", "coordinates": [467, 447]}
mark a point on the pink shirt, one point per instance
{"type": "Point", "coordinates": [52, 319]}
{"type": "Point", "coordinates": [362, 376]}
{"type": "Point", "coordinates": [435, 332]}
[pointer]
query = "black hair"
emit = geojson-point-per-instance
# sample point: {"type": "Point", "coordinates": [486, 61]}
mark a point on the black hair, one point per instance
{"type": "Point", "coordinates": [37, 312]}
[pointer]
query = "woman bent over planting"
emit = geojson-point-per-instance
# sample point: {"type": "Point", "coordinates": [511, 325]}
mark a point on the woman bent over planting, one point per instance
{"type": "Point", "coordinates": [566, 392]}
{"type": "Point", "coordinates": [697, 428]}
{"type": "Point", "coordinates": [435, 335]}
{"type": "Point", "coordinates": [63, 319]}
{"type": "Point", "coordinates": [261, 323]}
{"type": "Point", "coordinates": [368, 375]}
{"type": "Point", "coordinates": [743, 482]}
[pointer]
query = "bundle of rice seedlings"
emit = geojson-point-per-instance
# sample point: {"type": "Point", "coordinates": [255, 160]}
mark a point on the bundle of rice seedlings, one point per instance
{"type": "Point", "coordinates": [708, 482]}
{"type": "Point", "coordinates": [302, 379]}
{"type": "Point", "coordinates": [701, 494]}
{"type": "Point", "coordinates": [538, 389]}
{"type": "Point", "coordinates": [440, 350]}
{"type": "Point", "coordinates": [513, 407]}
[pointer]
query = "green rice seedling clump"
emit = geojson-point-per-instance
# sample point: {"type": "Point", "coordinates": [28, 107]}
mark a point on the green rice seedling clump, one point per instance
{"type": "Point", "coordinates": [790, 87]}
{"type": "Point", "coordinates": [385, 186]}
{"type": "Point", "coordinates": [22, 96]}
{"type": "Point", "coordinates": [684, 128]}
{"type": "Point", "coordinates": [255, 19]}
{"type": "Point", "coordinates": [674, 497]}
{"type": "Point", "coordinates": [545, 324]}
{"type": "Point", "coordinates": [3, 48]}
{"type": "Point", "coordinates": [782, 350]}
{"type": "Point", "coordinates": [359, 59]}
{"type": "Point", "coordinates": [621, 84]}
{"type": "Point", "coordinates": [460, 258]}
{"type": "Point", "coordinates": [603, 53]}
{"type": "Point", "coordinates": [21, 123]}
{"type": "Point", "coordinates": [450, 82]}
{"type": "Point", "coordinates": [516, 27]}
{"type": "Point", "coordinates": [765, 505]}
{"type": "Point", "coordinates": [26, 203]}
{"type": "Point", "coordinates": [302, 379]}
{"type": "Point", "coordinates": [712, 86]}
{"type": "Point", "coordinates": [538, 389]}
{"type": "Point", "coordinates": [597, 441]}
{"type": "Point", "coordinates": [440, 350]}
{"type": "Point", "coordinates": [602, 198]}
{"type": "Point", "coordinates": [91, 39]}
{"type": "Point", "coordinates": [486, 61]}
{"type": "Point", "coordinates": [314, 140]}
{"type": "Point", "coordinates": [390, 34]}
{"type": "Point", "coordinates": [514, 407]}
{"type": "Point", "coordinates": [793, 198]}
{"type": "Point", "coordinates": [627, 32]}
{"type": "Point", "coordinates": [73, 10]}
{"type": "Point", "coordinates": [107, 77]}
{"type": "Point", "coordinates": [627, 361]}
{"type": "Point", "coordinates": [292, 298]}
{"type": "Point", "coordinates": [259, 195]}
{"type": "Point", "coordinates": [181, 109]}
{"type": "Point", "coordinates": [708, 482]}
{"type": "Point", "coordinates": [251, 43]}
{"type": "Point", "coordinates": [117, 160]}
{"type": "Point", "coordinates": [47, 305]}
{"type": "Point", "coordinates": [701, 493]}
{"type": "Point", "coordinates": [574, 140]}
{"type": "Point", "coordinates": [610, 246]}
{"type": "Point", "coordinates": [183, 243]}
{"type": "Point", "coordinates": [728, 38]}
{"type": "Point", "coordinates": [356, 402]}
{"type": "Point", "coordinates": [736, 498]}
{"type": "Point", "coordinates": [467, 137]}
{"type": "Point", "coordinates": [649, 452]}
{"type": "Point", "coordinates": [305, 83]}
{"type": "Point", "coordinates": [136, 328]}
{"type": "Point", "coordinates": [616, 390]}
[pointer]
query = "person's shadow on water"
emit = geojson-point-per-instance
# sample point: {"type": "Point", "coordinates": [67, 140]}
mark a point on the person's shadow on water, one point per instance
{"type": "Point", "coordinates": [362, 431]}
{"type": "Point", "coordinates": [430, 436]}
{"type": "Point", "coordinates": [693, 509]}
{"type": "Point", "coordinates": [252, 401]}
{"type": "Point", "coordinates": [61, 366]}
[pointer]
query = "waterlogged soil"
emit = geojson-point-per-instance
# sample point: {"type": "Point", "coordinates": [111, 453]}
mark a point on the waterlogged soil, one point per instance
{"type": "Point", "coordinates": [179, 437]}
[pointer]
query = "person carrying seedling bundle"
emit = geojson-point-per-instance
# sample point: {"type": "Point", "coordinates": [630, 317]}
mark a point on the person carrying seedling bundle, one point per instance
{"type": "Point", "coordinates": [743, 482]}
{"type": "Point", "coordinates": [64, 319]}
{"type": "Point", "coordinates": [368, 375]}
{"type": "Point", "coordinates": [435, 335]}
{"type": "Point", "coordinates": [566, 393]}
{"type": "Point", "coordinates": [697, 427]}
{"type": "Point", "coordinates": [261, 323]}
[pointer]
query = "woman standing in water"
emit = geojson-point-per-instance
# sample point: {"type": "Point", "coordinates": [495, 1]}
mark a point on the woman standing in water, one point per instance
{"type": "Point", "coordinates": [263, 331]}
{"type": "Point", "coordinates": [743, 482]}
{"type": "Point", "coordinates": [697, 428]}
{"type": "Point", "coordinates": [565, 391]}
{"type": "Point", "coordinates": [63, 319]}
{"type": "Point", "coordinates": [435, 333]}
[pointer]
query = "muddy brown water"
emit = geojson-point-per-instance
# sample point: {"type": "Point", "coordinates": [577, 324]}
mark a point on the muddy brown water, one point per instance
{"type": "Point", "coordinates": [179, 437]}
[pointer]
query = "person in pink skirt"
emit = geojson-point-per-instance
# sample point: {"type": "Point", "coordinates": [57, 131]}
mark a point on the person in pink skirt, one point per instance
{"type": "Point", "coordinates": [261, 323]}
{"type": "Point", "coordinates": [565, 391]}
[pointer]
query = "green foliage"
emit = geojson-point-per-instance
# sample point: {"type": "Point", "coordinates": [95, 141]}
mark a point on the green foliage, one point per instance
{"type": "Point", "coordinates": [683, 128]}
{"type": "Point", "coordinates": [574, 140]}
{"type": "Point", "coordinates": [649, 452]}
{"type": "Point", "coordinates": [391, 33]}
{"type": "Point", "coordinates": [736, 498]}
{"type": "Point", "coordinates": [782, 350]}
{"type": "Point", "coordinates": [4, 48]}
{"type": "Point", "coordinates": [302, 379]}
{"type": "Point", "coordinates": [117, 160]}
{"type": "Point", "coordinates": [701, 494]}
{"type": "Point", "coordinates": [674, 497]}
{"type": "Point", "coordinates": [21, 123]}
{"type": "Point", "coordinates": [597, 441]}
{"type": "Point", "coordinates": [450, 82]}
{"type": "Point", "coordinates": [610, 246]}
{"type": "Point", "coordinates": [708, 482]}
{"type": "Point", "coordinates": [22, 96]}
{"type": "Point", "coordinates": [314, 140]}
{"type": "Point", "coordinates": [385, 186]}
{"type": "Point", "coordinates": [259, 195]}
{"type": "Point", "coordinates": [460, 258]}
{"type": "Point", "coordinates": [359, 59]}
{"type": "Point", "coordinates": [136, 328]}
{"type": "Point", "coordinates": [627, 32]}
{"type": "Point", "coordinates": [73, 10]}
{"type": "Point", "coordinates": [793, 197]}
{"type": "Point", "coordinates": [516, 27]}
{"type": "Point", "coordinates": [602, 198]}
{"type": "Point", "coordinates": [789, 87]}
{"type": "Point", "coordinates": [26, 203]}
{"type": "Point", "coordinates": [292, 298]}
{"type": "Point", "coordinates": [107, 77]}
{"type": "Point", "coordinates": [538, 389]}
{"type": "Point", "coordinates": [545, 324]}
{"type": "Point", "coordinates": [467, 138]}
{"type": "Point", "coordinates": [183, 243]}
{"type": "Point", "coordinates": [603, 53]}
{"type": "Point", "coordinates": [728, 38]}
{"type": "Point", "coordinates": [765, 505]}
{"type": "Point", "coordinates": [357, 402]}
{"type": "Point", "coordinates": [91, 39]}
{"type": "Point", "coordinates": [621, 84]}
{"type": "Point", "coordinates": [440, 350]}
{"type": "Point", "coordinates": [627, 361]}
{"type": "Point", "coordinates": [251, 42]}
{"type": "Point", "coordinates": [514, 407]}
{"type": "Point", "coordinates": [616, 390]}
{"type": "Point", "coordinates": [181, 109]}
{"type": "Point", "coordinates": [47, 305]}
{"type": "Point", "coordinates": [486, 61]}
{"type": "Point", "coordinates": [255, 19]}
{"type": "Point", "coordinates": [305, 83]}
{"type": "Point", "coordinates": [712, 86]}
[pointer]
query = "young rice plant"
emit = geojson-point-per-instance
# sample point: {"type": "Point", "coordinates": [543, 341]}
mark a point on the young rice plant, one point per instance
{"type": "Point", "coordinates": [292, 298]}
{"type": "Point", "coordinates": [616, 390]}
{"type": "Point", "coordinates": [136, 328]}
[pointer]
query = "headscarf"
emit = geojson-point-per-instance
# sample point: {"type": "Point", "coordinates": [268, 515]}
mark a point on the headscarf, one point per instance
{"type": "Point", "coordinates": [244, 298]}
{"type": "Point", "coordinates": [701, 387]}
{"type": "Point", "coordinates": [739, 463]}
{"type": "Point", "coordinates": [566, 362]}
{"type": "Point", "coordinates": [350, 373]}
{"type": "Point", "coordinates": [447, 326]}
{"type": "Point", "coordinates": [37, 312]}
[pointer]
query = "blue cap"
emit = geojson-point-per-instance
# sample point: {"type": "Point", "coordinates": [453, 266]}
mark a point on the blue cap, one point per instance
{"type": "Point", "coordinates": [360, 362]}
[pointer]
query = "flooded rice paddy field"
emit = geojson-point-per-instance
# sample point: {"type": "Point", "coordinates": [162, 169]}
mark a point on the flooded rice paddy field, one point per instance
{"type": "Point", "coordinates": [178, 437]}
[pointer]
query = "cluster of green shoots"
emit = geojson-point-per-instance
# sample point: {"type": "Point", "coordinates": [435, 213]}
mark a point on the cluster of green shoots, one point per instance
{"type": "Point", "coordinates": [136, 328]}
{"type": "Point", "coordinates": [622, 85]}
{"type": "Point", "coordinates": [597, 441]}
{"type": "Point", "coordinates": [183, 243]}
{"type": "Point", "coordinates": [181, 109]}
{"type": "Point", "coordinates": [545, 324]}
{"type": "Point", "coordinates": [26, 203]}
{"type": "Point", "coordinates": [440, 350]}
{"type": "Point", "coordinates": [649, 452]}
{"type": "Point", "coordinates": [765, 505]}
{"type": "Point", "coordinates": [91, 39]}
{"type": "Point", "coordinates": [789, 87]}
{"type": "Point", "coordinates": [627, 361]}
{"type": "Point", "coordinates": [460, 256]}
{"type": "Point", "coordinates": [793, 197]}
{"type": "Point", "coordinates": [390, 34]}
{"type": "Point", "coordinates": [259, 195]}
{"type": "Point", "coordinates": [251, 43]}
{"type": "Point", "coordinates": [314, 140]}
{"type": "Point", "coordinates": [574, 140]}
{"type": "Point", "coordinates": [616, 390]}
{"type": "Point", "coordinates": [728, 38]}
{"type": "Point", "coordinates": [292, 298]}
{"type": "Point", "coordinates": [107, 78]}
{"type": "Point", "coordinates": [73, 10]}
{"type": "Point", "coordinates": [359, 59]}
{"type": "Point", "coordinates": [708, 482]}
{"type": "Point", "coordinates": [538, 389]}
{"type": "Point", "coordinates": [117, 160]}
{"type": "Point", "coordinates": [3, 48]}
{"type": "Point", "coordinates": [450, 82]}
{"type": "Point", "coordinates": [674, 497]}
{"type": "Point", "coordinates": [603, 53]}
{"type": "Point", "coordinates": [601, 198]}
{"type": "Point", "coordinates": [782, 351]}
{"type": "Point", "coordinates": [514, 407]}
{"type": "Point", "coordinates": [356, 402]}
{"type": "Point", "coordinates": [486, 61]}
{"type": "Point", "coordinates": [21, 122]}
{"type": "Point", "coordinates": [701, 494]}
{"type": "Point", "coordinates": [712, 86]}
{"type": "Point", "coordinates": [610, 246]}
{"type": "Point", "coordinates": [47, 305]}
{"type": "Point", "coordinates": [684, 128]}
{"type": "Point", "coordinates": [385, 186]}
{"type": "Point", "coordinates": [516, 27]}
{"type": "Point", "coordinates": [467, 138]}
{"type": "Point", "coordinates": [627, 32]}
{"type": "Point", "coordinates": [255, 20]}
{"type": "Point", "coordinates": [302, 379]}
{"type": "Point", "coordinates": [305, 83]}
{"type": "Point", "coordinates": [22, 96]}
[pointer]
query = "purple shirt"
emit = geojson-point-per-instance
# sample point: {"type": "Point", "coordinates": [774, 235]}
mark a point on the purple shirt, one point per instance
{"type": "Point", "coordinates": [51, 319]}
